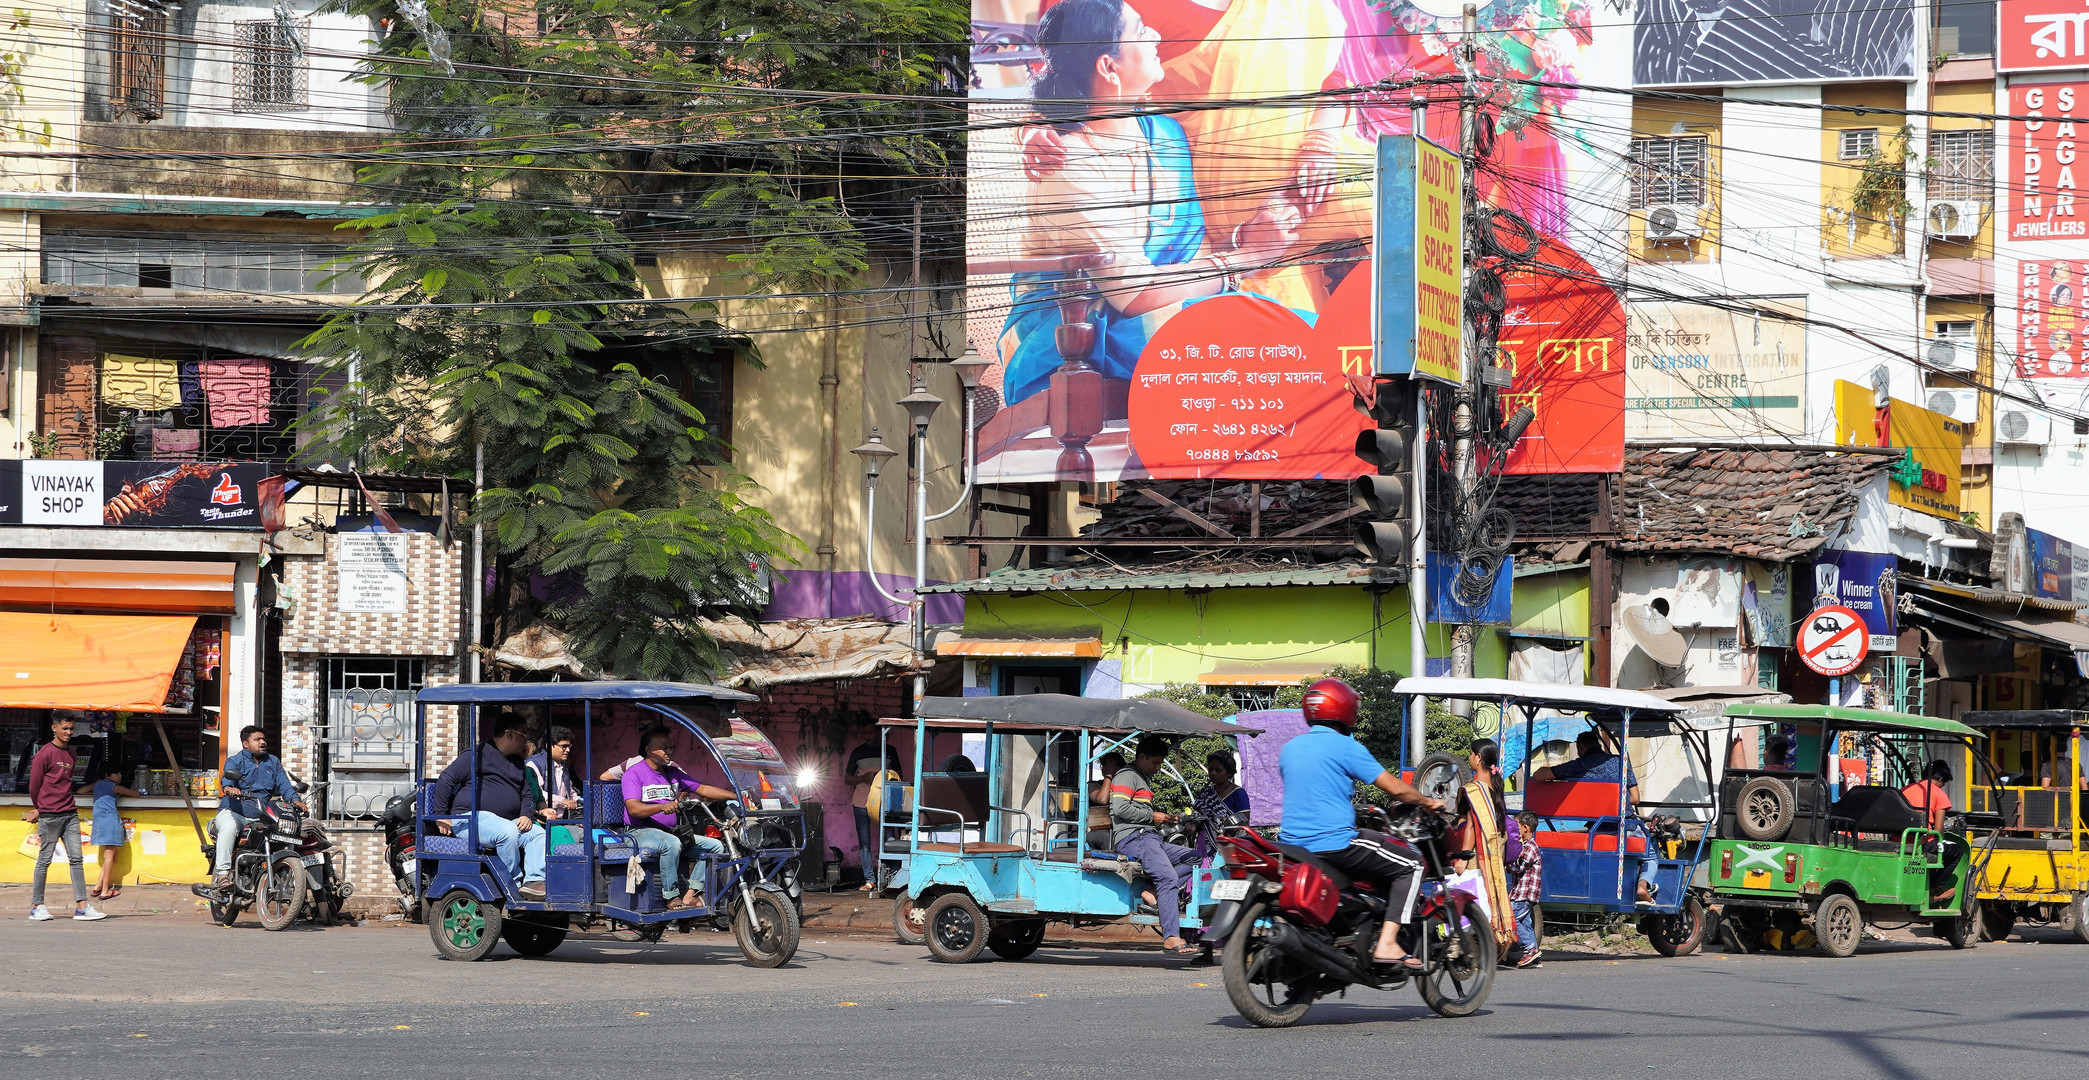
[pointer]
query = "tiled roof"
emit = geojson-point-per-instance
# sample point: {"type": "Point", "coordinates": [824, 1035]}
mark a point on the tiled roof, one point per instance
{"type": "Point", "coordinates": [1776, 505]}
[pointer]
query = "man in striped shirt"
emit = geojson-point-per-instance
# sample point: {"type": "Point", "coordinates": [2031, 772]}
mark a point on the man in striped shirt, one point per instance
{"type": "Point", "coordinates": [1133, 835]}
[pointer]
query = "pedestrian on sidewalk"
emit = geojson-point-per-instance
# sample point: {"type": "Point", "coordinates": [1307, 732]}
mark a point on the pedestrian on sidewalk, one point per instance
{"type": "Point", "coordinates": [108, 830]}
{"type": "Point", "coordinates": [57, 817]}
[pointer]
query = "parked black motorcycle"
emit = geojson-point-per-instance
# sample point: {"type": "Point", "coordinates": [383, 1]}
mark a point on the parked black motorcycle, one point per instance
{"type": "Point", "coordinates": [1296, 929]}
{"type": "Point", "coordinates": [399, 847]}
{"type": "Point", "coordinates": [268, 870]}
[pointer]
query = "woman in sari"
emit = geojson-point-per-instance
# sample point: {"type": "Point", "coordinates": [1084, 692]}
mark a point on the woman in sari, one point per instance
{"type": "Point", "coordinates": [1123, 204]}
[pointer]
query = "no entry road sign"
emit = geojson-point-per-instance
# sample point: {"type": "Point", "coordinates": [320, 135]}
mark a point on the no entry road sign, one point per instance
{"type": "Point", "coordinates": [1833, 641]}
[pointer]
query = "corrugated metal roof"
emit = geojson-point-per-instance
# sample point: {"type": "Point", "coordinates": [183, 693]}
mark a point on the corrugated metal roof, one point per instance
{"type": "Point", "coordinates": [1112, 578]}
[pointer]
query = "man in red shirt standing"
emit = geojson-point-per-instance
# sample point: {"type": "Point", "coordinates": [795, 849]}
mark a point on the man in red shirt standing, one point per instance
{"type": "Point", "coordinates": [57, 820]}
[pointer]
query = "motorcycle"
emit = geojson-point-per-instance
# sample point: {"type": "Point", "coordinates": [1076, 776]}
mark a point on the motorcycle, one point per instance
{"type": "Point", "coordinates": [1296, 929]}
{"type": "Point", "coordinates": [399, 846]}
{"type": "Point", "coordinates": [268, 870]}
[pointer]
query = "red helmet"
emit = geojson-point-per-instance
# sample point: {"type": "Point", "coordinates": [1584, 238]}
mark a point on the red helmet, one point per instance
{"type": "Point", "coordinates": [1332, 702]}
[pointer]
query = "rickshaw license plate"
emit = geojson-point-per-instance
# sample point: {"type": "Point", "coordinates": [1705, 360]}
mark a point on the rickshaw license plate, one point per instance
{"type": "Point", "coordinates": [1756, 879]}
{"type": "Point", "coordinates": [1229, 889]}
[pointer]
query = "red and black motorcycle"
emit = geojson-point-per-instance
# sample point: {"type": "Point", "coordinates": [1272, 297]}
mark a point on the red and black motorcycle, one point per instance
{"type": "Point", "coordinates": [1296, 929]}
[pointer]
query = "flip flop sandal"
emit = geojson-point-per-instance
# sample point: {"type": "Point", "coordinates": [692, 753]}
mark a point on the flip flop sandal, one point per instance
{"type": "Point", "coordinates": [1409, 964]}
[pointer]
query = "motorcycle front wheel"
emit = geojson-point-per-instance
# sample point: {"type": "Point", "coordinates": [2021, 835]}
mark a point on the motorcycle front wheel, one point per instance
{"type": "Point", "coordinates": [280, 894]}
{"type": "Point", "coordinates": [1463, 958]}
{"type": "Point", "coordinates": [767, 928]}
{"type": "Point", "coordinates": [1266, 987]}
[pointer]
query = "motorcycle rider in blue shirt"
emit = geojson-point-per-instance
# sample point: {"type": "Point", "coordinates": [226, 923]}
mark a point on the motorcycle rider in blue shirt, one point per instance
{"type": "Point", "coordinates": [1321, 769]}
{"type": "Point", "coordinates": [251, 776]}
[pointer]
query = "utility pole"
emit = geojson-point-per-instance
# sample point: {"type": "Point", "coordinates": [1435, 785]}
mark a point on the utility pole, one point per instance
{"type": "Point", "coordinates": [1465, 412]}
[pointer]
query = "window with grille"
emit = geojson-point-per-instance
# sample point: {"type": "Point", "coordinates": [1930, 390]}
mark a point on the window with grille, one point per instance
{"type": "Point", "coordinates": [1669, 170]}
{"type": "Point", "coordinates": [1859, 143]}
{"type": "Point", "coordinates": [1962, 164]}
{"type": "Point", "coordinates": [138, 62]}
{"type": "Point", "coordinates": [270, 71]}
{"type": "Point", "coordinates": [1252, 698]}
{"type": "Point", "coordinates": [367, 751]}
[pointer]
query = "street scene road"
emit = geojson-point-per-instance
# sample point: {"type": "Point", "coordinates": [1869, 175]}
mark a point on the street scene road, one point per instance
{"type": "Point", "coordinates": [175, 996]}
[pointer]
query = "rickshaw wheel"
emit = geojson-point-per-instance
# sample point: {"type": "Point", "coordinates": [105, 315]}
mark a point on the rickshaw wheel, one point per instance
{"type": "Point", "coordinates": [1960, 930]}
{"type": "Point", "coordinates": [909, 920]}
{"type": "Point", "coordinates": [1459, 987]}
{"type": "Point", "coordinates": [1439, 776]}
{"type": "Point", "coordinates": [957, 929]}
{"type": "Point", "coordinates": [1016, 940]}
{"type": "Point", "coordinates": [464, 928]}
{"type": "Point", "coordinates": [1266, 987]}
{"type": "Point", "coordinates": [1997, 919]}
{"type": "Point", "coordinates": [1679, 934]}
{"type": "Point", "coordinates": [2074, 918]}
{"type": "Point", "coordinates": [533, 938]}
{"type": "Point", "coordinates": [777, 941]}
{"type": "Point", "coordinates": [1838, 925]}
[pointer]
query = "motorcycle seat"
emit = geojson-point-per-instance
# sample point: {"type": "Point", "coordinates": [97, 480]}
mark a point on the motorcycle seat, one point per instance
{"type": "Point", "coordinates": [1299, 854]}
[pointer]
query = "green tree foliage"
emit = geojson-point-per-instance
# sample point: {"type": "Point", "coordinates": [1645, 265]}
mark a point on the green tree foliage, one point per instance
{"type": "Point", "coordinates": [537, 157]}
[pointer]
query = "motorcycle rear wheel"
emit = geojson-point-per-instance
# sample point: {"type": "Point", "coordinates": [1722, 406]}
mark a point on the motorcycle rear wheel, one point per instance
{"type": "Point", "coordinates": [1256, 974]}
{"type": "Point", "coordinates": [225, 912]}
{"type": "Point", "coordinates": [279, 897]}
{"type": "Point", "coordinates": [1459, 987]}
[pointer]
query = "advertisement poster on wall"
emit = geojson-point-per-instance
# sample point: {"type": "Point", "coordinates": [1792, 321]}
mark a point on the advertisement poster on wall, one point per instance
{"type": "Point", "coordinates": [2039, 200]}
{"type": "Point", "coordinates": [1563, 340]}
{"type": "Point", "coordinates": [1114, 226]}
{"type": "Point", "coordinates": [1866, 583]}
{"type": "Point", "coordinates": [1699, 371]}
{"type": "Point", "coordinates": [2049, 313]}
{"type": "Point", "coordinates": [132, 494]}
{"type": "Point", "coordinates": [1694, 43]}
{"type": "Point", "coordinates": [2035, 35]}
{"type": "Point", "coordinates": [1927, 477]}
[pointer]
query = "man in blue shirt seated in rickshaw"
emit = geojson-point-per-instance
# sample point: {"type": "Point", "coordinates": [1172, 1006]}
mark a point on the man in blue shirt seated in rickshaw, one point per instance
{"type": "Point", "coordinates": [1595, 762]}
{"type": "Point", "coordinates": [506, 816]}
{"type": "Point", "coordinates": [654, 791]}
{"type": "Point", "coordinates": [1132, 835]}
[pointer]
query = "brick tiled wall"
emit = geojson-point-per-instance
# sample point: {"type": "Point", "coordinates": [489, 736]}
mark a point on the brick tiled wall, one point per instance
{"type": "Point", "coordinates": [431, 626]}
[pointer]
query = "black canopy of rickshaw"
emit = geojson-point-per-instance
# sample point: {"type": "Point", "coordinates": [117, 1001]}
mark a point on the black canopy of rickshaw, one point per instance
{"type": "Point", "coordinates": [608, 690]}
{"type": "Point", "coordinates": [2054, 719]}
{"type": "Point", "coordinates": [1064, 712]}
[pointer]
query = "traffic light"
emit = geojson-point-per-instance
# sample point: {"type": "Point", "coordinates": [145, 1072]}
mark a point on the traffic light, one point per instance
{"type": "Point", "coordinates": [1386, 533]}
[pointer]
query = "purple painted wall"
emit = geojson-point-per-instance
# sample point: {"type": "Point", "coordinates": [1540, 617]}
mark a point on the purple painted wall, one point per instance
{"type": "Point", "coordinates": [819, 594]}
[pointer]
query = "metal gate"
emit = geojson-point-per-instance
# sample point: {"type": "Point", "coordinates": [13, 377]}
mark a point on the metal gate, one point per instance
{"type": "Point", "coordinates": [367, 750]}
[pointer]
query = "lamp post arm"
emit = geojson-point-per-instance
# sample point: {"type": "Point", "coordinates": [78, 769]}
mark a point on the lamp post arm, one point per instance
{"type": "Point", "coordinates": [971, 447]}
{"type": "Point", "coordinates": [870, 532]}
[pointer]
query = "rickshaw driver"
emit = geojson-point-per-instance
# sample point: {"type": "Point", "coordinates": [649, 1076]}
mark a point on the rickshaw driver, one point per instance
{"type": "Point", "coordinates": [1594, 762]}
{"type": "Point", "coordinates": [1132, 835]}
{"type": "Point", "coordinates": [1929, 799]}
{"type": "Point", "coordinates": [654, 790]}
{"type": "Point", "coordinates": [1321, 769]}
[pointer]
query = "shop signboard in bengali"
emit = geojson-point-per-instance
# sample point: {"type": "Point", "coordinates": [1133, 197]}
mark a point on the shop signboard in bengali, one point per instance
{"type": "Point", "coordinates": [134, 494]}
{"type": "Point", "coordinates": [1867, 584]}
{"type": "Point", "coordinates": [1188, 292]}
{"type": "Point", "coordinates": [2040, 35]}
{"type": "Point", "coordinates": [1926, 475]}
{"type": "Point", "coordinates": [1706, 372]}
{"type": "Point", "coordinates": [1563, 341]}
{"type": "Point", "coordinates": [2041, 198]}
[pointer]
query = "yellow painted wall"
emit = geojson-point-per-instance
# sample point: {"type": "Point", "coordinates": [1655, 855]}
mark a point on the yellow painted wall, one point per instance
{"type": "Point", "coordinates": [1974, 97]}
{"type": "Point", "coordinates": [1839, 178]}
{"type": "Point", "coordinates": [1696, 118]}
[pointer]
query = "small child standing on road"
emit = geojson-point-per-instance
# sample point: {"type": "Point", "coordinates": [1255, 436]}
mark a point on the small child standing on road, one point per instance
{"type": "Point", "coordinates": [1526, 864]}
{"type": "Point", "coordinates": [108, 832]}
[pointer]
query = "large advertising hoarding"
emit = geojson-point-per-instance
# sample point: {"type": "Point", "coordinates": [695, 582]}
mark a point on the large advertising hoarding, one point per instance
{"type": "Point", "coordinates": [1170, 266]}
{"type": "Point", "coordinates": [1421, 259]}
{"type": "Point", "coordinates": [2040, 200]}
{"type": "Point", "coordinates": [1726, 42]}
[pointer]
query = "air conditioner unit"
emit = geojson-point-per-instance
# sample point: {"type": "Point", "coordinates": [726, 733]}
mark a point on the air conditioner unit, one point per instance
{"type": "Point", "coordinates": [1955, 354]}
{"type": "Point", "coordinates": [1960, 405]}
{"type": "Point", "coordinates": [2018, 425]}
{"type": "Point", "coordinates": [1955, 219]}
{"type": "Point", "coordinates": [1673, 223]}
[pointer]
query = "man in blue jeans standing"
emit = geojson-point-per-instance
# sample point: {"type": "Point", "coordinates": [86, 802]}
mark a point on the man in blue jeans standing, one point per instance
{"type": "Point", "coordinates": [506, 817]}
{"type": "Point", "coordinates": [1132, 835]}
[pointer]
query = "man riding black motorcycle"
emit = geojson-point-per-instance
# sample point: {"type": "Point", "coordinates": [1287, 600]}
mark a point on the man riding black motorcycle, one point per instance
{"type": "Point", "coordinates": [251, 776]}
{"type": "Point", "coordinates": [1321, 769]}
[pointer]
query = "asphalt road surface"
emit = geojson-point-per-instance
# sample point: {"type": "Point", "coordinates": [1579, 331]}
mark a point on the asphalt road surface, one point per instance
{"type": "Point", "coordinates": [173, 996]}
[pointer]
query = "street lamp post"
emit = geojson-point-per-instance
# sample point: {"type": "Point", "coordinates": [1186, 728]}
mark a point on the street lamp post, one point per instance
{"type": "Point", "coordinates": [921, 409]}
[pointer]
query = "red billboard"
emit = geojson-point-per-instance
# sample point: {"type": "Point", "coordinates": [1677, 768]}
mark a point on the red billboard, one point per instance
{"type": "Point", "coordinates": [2049, 313]}
{"type": "Point", "coordinates": [1563, 338]}
{"type": "Point", "coordinates": [2040, 201]}
{"type": "Point", "coordinates": [2041, 35]}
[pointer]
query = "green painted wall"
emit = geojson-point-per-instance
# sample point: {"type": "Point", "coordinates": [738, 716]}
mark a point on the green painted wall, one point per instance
{"type": "Point", "coordinates": [1554, 603]}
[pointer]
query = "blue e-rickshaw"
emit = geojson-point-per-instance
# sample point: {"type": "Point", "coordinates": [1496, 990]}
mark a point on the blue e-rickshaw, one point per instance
{"type": "Point", "coordinates": [1583, 824]}
{"type": "Point", "coordinates": [593, 873]}
{"type": "Point", "coordinates": [995, 855]}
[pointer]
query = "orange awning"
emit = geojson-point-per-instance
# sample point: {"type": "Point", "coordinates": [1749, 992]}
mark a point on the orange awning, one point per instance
{"type": "Point", "coordinates": [90, 661]}
{"type": "Point", "coordinates": [202, 588]}
{"type": "Point", "coordinates": [1071, 648]}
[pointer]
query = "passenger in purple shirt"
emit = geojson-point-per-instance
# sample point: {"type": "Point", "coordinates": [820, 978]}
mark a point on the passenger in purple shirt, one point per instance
{"type": "Point", "coordinates": [654, 791]}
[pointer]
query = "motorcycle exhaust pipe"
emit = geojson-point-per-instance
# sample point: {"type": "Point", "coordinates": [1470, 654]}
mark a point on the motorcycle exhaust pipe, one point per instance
{"type": "Point", "coordinates": [1315, 954]}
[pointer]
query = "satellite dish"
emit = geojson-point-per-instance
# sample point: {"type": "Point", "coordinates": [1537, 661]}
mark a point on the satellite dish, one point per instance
{"type": "Point", "coordinates": [1655, 634]}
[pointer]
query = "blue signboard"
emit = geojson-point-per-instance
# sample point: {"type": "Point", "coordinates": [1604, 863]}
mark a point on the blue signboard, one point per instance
{"type": "Point", "coordinates": [1444, 605]}
{"type": "Point", "coordinates": [2052, 566]}
{"type": "Point", "coordinates": [1867, 584]}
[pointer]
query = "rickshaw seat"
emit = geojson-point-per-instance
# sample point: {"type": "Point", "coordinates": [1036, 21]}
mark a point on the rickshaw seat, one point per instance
{"type": "Point", "coordinates": [976, 847]}
{"type": "Point", "coordinates": [1870, 808]}
{"type": "Point", "coordinates": [1552, 840]}
{"type": "Point", "coordinates": [940, 795]}
{"type": "Point", "coordinates": [1571, 798]}
{"type": "Point", "coordinates": [438, 844]}
{"type": "Point", "coordinates": [1299, 854]}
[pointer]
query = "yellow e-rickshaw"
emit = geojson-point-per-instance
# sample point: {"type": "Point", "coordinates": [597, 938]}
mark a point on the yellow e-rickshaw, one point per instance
{"type": "Point", "coordinates": [2038, 869]}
